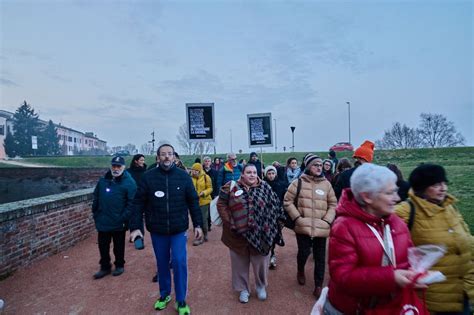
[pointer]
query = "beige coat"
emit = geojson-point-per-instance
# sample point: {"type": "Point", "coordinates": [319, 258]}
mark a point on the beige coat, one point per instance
{"type": "Point", "coordinates": [315, 207]}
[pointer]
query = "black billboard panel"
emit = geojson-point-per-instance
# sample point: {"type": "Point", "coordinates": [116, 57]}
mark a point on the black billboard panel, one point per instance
{"type": "Point", "coordinates": [200, 121]}
{"type": "Point", "coordinates": [260, 130]}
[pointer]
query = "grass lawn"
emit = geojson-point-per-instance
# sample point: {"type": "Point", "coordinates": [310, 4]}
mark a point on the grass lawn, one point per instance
{"type": "Point", "coordinates": [459, 164]}
{"type": "Point", "coordinates": [5, 165]}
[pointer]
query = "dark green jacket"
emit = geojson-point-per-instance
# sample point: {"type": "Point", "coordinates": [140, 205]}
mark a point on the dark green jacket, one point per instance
{"type": "Point", "coordinates": [112, 203]}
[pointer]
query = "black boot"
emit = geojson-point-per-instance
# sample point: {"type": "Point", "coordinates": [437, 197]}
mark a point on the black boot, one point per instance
{"type": "Point", "coordinates": [118, 271]}
{"type": "Point", "coordinates": [101, 273]}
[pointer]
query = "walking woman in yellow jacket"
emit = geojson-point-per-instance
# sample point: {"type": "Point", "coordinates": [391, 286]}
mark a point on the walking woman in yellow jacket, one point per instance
{"type": "Point", "coordinates": [433, 219]}
{"type": "Point", "coordinates": [203, 185]}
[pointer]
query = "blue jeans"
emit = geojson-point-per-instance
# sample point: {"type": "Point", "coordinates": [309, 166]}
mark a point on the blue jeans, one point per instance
{"type": "Point", "coordinates": [165, 246]}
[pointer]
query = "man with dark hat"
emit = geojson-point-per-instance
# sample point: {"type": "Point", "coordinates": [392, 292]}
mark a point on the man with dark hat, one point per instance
{"type": "Point", "coordinates": [111, 209]}
{"type": "Point", "coordinates": [363, 154]}
{"type": "Point", "coordinates": [334, 160]}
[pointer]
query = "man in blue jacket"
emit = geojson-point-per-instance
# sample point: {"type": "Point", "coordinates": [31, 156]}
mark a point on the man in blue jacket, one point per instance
{"type": "Point", "coordinates": [230, 171]}
{"type": "Point", "coordinates": [165, 194]}
{"type": "Point", "coordinates": [111, 208]}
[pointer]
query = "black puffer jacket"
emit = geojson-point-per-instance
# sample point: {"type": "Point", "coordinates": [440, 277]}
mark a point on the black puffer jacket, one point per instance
{"type": "Point", "coordinates": [137, 172]}
{"type": "Point", "coordinates": [279, 188]}
{"type": "Point", "coordinates": [165, 197]}
{"type": "Point", "coordinates": [112, 203]}
{"type": "Point", "coordinates": [343, 181]}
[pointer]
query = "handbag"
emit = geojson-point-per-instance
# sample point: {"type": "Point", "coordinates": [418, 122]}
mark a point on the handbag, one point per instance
{"type": "Point", "coordinates": [215, 217]}
{"type": "Point", "coordinates": [407, 301]}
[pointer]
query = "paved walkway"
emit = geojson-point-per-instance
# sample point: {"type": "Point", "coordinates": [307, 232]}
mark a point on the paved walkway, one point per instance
{"type": "Point", "coordinates": [63, 284]}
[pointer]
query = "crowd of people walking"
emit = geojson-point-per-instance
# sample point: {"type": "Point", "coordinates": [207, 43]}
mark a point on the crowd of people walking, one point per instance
{"type": "Point", "coordinates": [359, 217]}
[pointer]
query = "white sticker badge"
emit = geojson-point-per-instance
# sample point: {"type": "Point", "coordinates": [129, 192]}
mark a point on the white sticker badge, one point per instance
{"type": "Point", "coordinates": [159, 193]}
{"type": "Point", "coordinates": [239, 192]}
{"type": "Point", "coordinates": [319, 192]}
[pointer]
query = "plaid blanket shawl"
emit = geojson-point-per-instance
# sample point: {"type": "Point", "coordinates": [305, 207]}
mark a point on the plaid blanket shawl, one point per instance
{"type": "Point", "coordinates": [254, 214]}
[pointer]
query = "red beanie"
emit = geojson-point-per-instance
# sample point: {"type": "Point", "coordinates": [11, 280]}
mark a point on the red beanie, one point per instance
{"type": "Point", "coordinates": [365, 151]}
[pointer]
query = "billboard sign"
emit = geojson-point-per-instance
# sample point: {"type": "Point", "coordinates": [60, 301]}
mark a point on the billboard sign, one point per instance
{"type": "Point", "coordinates": [260, 130]}
{"type": "Point", "coordinates": [200, 121]}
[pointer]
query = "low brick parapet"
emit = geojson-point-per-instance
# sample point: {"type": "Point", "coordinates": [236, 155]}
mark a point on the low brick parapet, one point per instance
{"type": "Point", "coordinates": [36, 228]}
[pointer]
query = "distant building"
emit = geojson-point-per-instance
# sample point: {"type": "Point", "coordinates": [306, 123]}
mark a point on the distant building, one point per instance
{"type": "Point", "coordinates": [6, 123]}
{"type": "Point", "coordinates": [72, 142]}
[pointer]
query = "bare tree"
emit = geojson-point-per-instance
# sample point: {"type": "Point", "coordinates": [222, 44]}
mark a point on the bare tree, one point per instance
{"type": "Point", "coordinates": [130, 147]}
{"type": "Point", "coordinates": [146, 148]}
{"type": "Point", "coordinates": [191, 147]}
{"type": "Point", "coordinates": [400, 137]}
{"type": "Point", "coordinates": [436, 131]}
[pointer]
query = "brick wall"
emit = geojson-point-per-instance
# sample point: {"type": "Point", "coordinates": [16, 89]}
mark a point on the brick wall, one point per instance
{"type": "Point", "coordinates": [36, 228]}
{"type": "Point", "coordinates": [25, 183]}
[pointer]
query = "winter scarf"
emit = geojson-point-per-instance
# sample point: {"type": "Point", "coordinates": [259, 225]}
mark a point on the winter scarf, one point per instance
{"type": "Point", "coordinates": [254, 214]}
{"type": "Point", "coordinates": [228, 167]}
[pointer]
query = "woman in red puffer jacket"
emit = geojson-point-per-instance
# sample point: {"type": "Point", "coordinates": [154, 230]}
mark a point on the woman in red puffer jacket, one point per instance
{"type": "Point", "coordinates": [361, 272]}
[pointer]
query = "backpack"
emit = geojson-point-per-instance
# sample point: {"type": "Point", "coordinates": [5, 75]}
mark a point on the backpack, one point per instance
{"type": "Point", "coordinates": [411, 218]}
{"type": "Point", "coordinates": [289, 223]}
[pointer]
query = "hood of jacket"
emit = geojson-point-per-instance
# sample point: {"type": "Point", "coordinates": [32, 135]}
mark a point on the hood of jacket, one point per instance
{"type": "Point", "coordinates": [431, 208]}
{"type": "Point", "coordinates": [349, 207]}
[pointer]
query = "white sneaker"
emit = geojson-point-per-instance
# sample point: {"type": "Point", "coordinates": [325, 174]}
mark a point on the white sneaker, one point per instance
{"type": "Point", "coordinates": [261, 293]}
{"type": "Point", "coordinates": [273, 262]}
{"type": "Point", "coordinates": [244, 296]}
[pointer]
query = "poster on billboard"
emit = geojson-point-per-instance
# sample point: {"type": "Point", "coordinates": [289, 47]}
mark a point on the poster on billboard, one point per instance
{"type": "Point", "coordinates": [260, 130]}
{"type": "Point", "coordinates": [200, 121]}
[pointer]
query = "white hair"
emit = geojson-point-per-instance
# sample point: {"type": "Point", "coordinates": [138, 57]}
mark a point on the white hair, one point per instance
{"type": "Point", "coordinates": [370, 178]}
{"type": "Point", "coordinates": [206, 158]}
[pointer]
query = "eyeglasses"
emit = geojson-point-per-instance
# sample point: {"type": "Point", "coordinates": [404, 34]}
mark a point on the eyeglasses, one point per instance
{"type": "Point", "coordinates": [318, 165]}
{"type": "Point", "coordinates": [164, 154]}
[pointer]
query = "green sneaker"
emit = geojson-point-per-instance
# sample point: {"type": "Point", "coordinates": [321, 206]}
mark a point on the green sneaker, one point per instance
{"type": "Point", "coordinates": [183, 308]}
{"type": "Point", "coordinates": [162, 302]}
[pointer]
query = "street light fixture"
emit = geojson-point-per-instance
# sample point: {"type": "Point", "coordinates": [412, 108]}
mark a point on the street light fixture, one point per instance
{"type": "Point", "coordinates": [276, 148]}
{"type": "Point", "coordinates": [349, 112]}
{"type": "Point", "coordinates": [293, 138]}
{"type": "Point", "coordinates": [152, 141]}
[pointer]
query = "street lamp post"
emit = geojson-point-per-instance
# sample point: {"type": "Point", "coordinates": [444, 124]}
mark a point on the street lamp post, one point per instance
{"type": "Point", "coordinates": [152, 141]}
{"type": "Point", "coordinates": [349, 112]}
{"type": "Point", "coordinates": [231, 140]}
{"type": "Point", "coordinates": [292, 138]}
{"type": "Point", "coordinates": [276, 148]}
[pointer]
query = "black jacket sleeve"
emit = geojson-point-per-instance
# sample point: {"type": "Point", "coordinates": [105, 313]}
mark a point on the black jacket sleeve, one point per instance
{"type": "Point", "coordinates": [138, 205]}
{"type": "Point", "coordinates": [130, 194]}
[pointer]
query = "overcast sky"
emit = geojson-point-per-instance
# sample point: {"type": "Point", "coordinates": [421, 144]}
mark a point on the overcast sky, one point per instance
{"type": "Point", "coordinates": [125, 68]}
